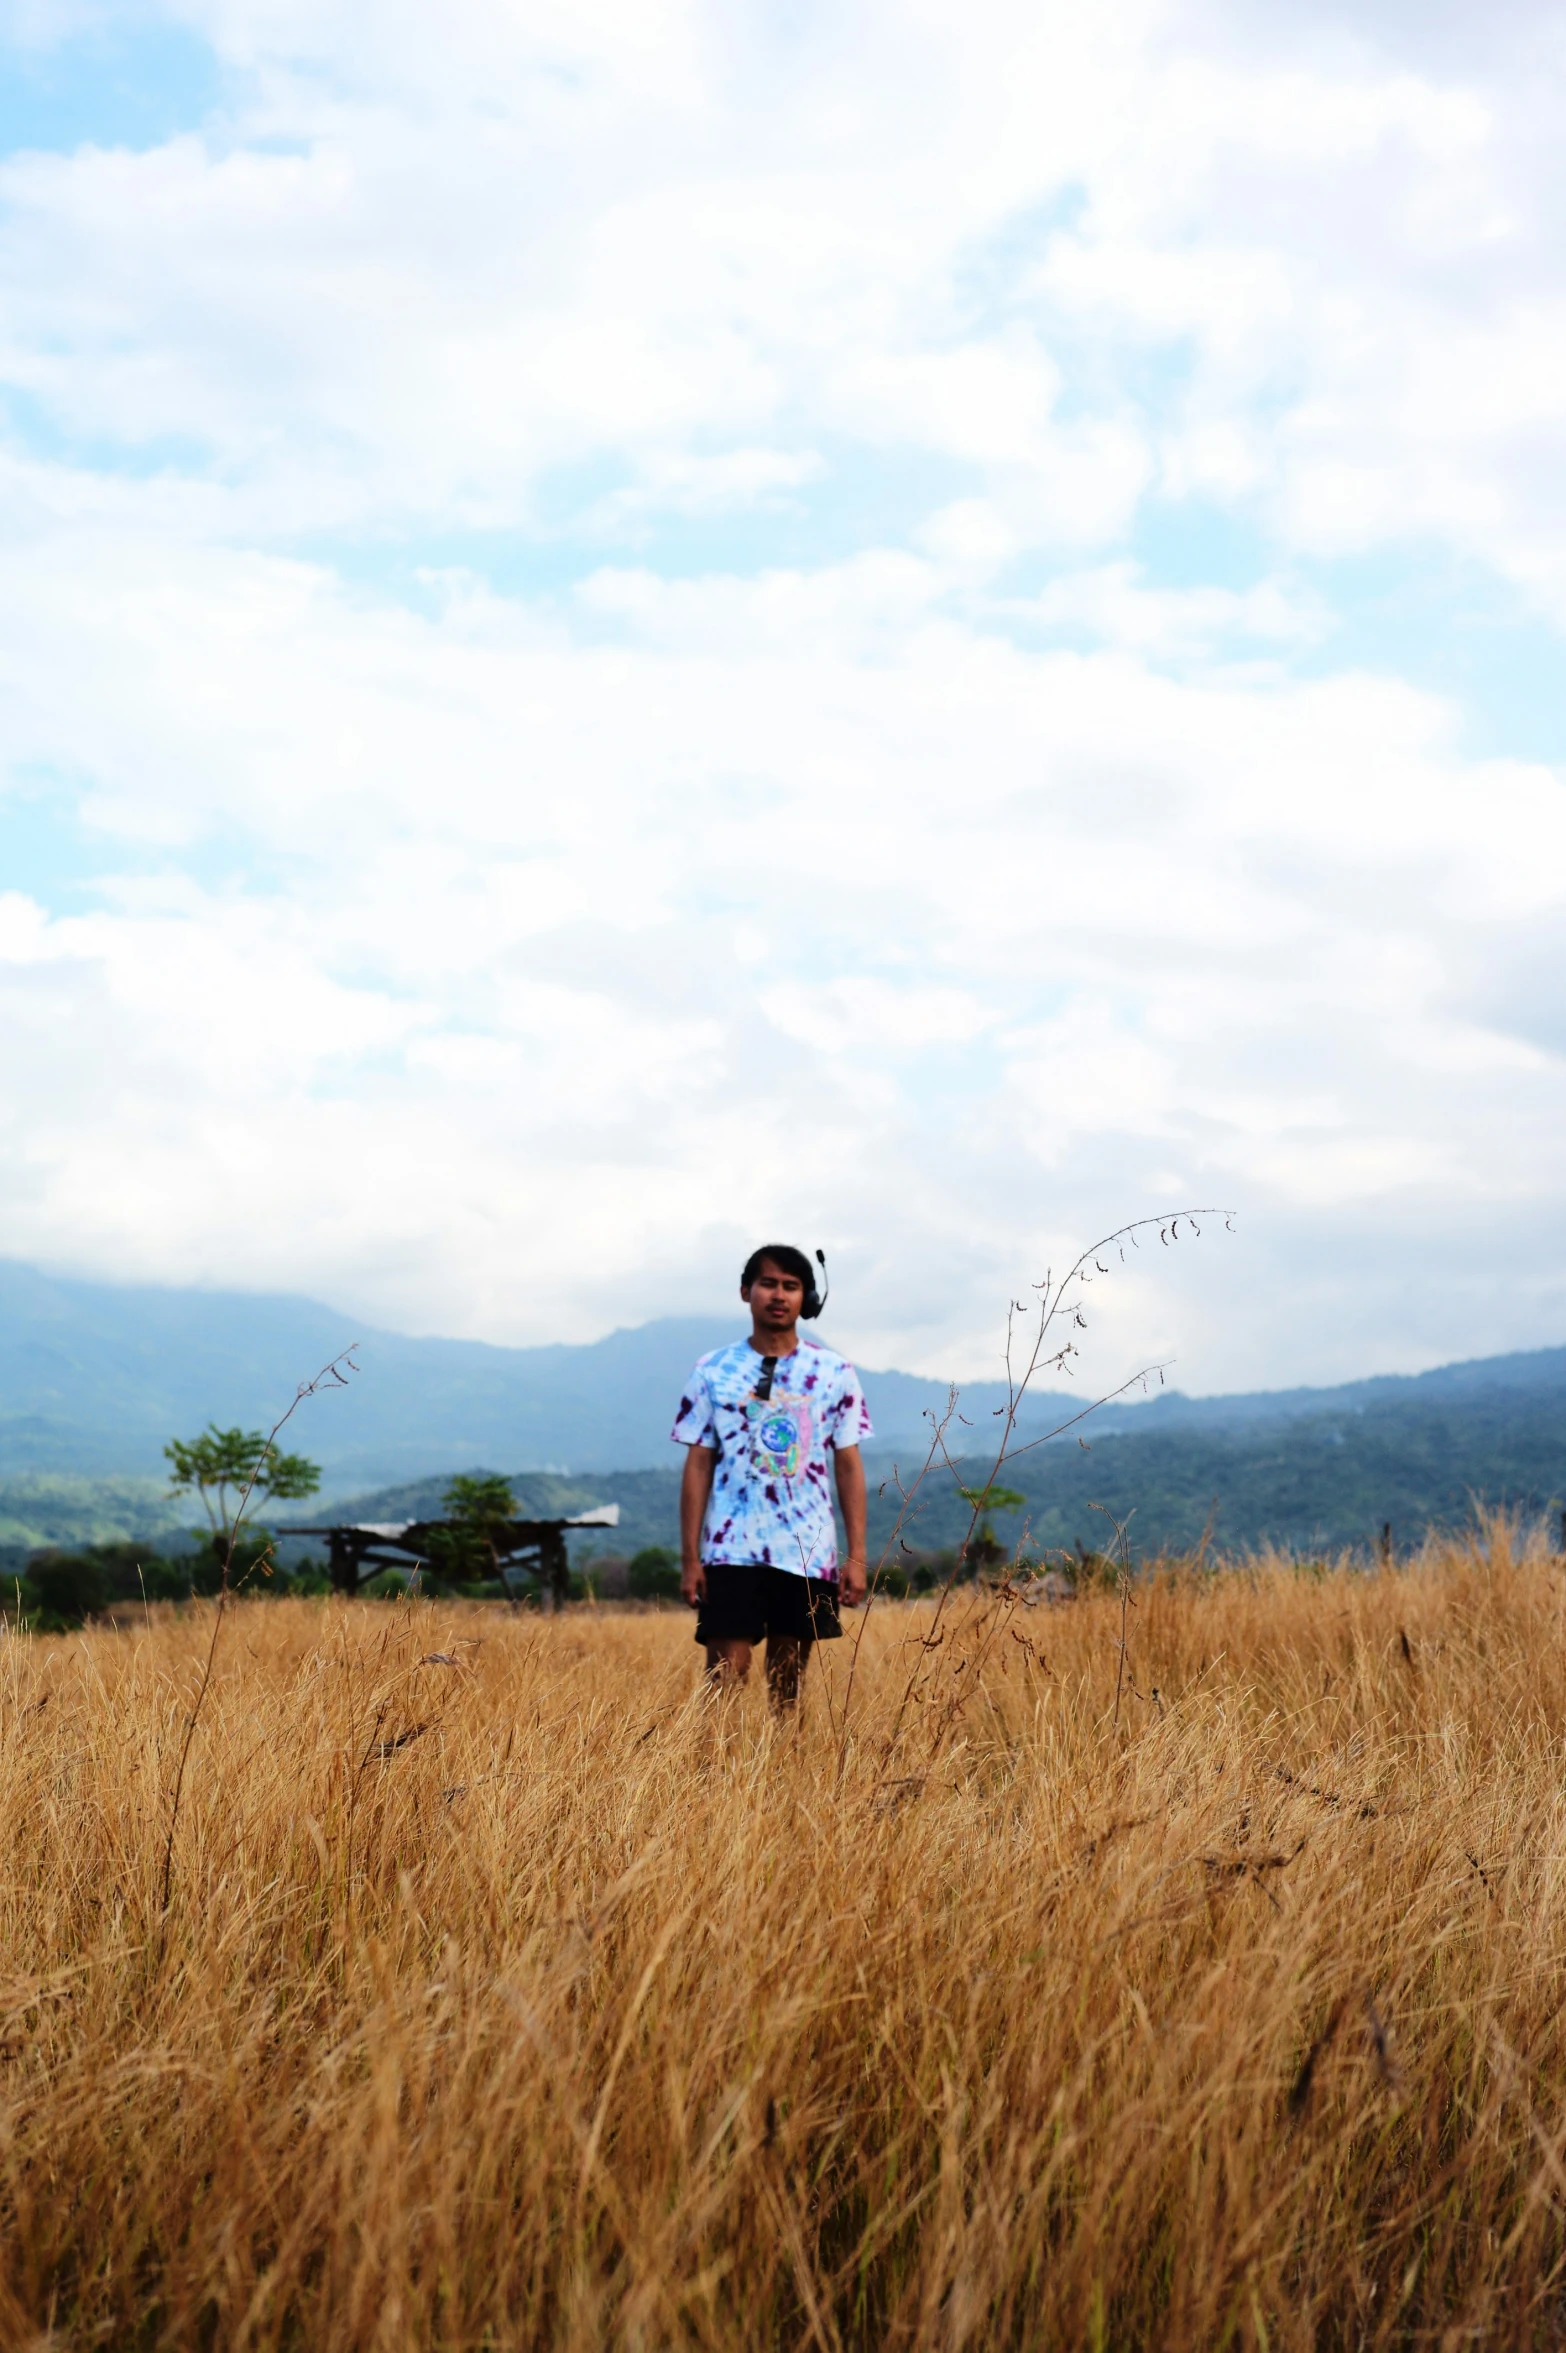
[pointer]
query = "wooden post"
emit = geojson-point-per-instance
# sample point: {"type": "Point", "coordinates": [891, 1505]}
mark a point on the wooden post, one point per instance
{"type": "Point", "coordinates": [343, 1560]}
{"type": "Point", "coordinates": [1385, 1546]}
{"type": "Point", "coordinates": [555, 1566]}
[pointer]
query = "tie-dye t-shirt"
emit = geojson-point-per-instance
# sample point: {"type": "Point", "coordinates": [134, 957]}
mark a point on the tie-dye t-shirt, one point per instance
{"type": "Point", "coordinates": [771, 1493]}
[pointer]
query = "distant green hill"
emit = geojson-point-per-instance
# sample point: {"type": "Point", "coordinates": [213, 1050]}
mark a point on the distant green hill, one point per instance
{"type": "Point", "coordinates": [1314, 1484]}
{"type": "Point", "coordinates": [649, 1505]}
{"type": "Point", "coordinates": [38, 1509]}
{"type": "Point", "coordinates": [1309, 1482]}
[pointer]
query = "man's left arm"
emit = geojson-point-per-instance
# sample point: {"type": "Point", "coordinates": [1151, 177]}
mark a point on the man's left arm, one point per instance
{"type": "Point", "coordinates": [851, 1502]}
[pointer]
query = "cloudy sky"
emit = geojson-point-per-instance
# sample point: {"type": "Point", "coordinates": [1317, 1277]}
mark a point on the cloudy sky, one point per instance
{"type": "Point", "coordinates": [919, 627]}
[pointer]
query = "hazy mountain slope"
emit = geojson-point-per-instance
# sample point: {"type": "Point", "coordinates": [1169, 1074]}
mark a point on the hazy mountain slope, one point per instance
{"type": "Point", "coordinates": [1527, 1372]}
{"type": "Point", "coordinates": [94, 1377]}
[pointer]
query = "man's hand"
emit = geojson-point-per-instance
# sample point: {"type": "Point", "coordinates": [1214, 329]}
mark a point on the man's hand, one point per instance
{"type": "Point", "coordinates": [851, 1499]}
{"type": "Point", "coordinates": [695, 1487]}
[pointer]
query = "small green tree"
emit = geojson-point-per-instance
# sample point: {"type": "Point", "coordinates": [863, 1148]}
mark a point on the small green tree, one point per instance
{"type": "Point", "coordinates": [66, 1587]}
{"type": "Point", "coordinates": [477, 1509]}
{"type": "Point", "coordinates": [654, 1574]}
{"type": "Point", "coordinates": [221, 1465]}
{"type": "Point", "coordinates": [985, 1549]}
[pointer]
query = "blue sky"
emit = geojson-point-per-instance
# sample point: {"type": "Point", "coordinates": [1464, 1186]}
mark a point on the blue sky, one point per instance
{"type": "Point", "coordinates": [126, 79]}
{"type": "Point", "coordinates": [621, 628]}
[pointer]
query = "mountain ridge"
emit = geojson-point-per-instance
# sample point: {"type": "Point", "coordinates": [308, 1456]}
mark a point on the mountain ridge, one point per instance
{"type": "Point", "coordinates": [94, 1378]}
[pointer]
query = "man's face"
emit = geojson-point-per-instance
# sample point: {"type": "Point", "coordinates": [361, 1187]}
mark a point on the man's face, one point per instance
{"type": "Point", "coordinates": [774, 1298]}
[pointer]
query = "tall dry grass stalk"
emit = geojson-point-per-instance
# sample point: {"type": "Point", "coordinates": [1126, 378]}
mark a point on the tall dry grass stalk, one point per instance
{"type": "Point", "coordinates": [513, 1993]}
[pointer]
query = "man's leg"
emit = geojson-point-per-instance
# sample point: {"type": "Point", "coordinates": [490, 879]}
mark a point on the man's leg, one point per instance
{"type": "Point", "coordinates": [786, 1656]}
{"type": "Point", "coordinates": [728, 1662]}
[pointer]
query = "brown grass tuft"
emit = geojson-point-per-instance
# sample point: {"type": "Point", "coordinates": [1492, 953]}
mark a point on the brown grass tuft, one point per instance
{"type": "Point", "coordinates": [515, 1993]}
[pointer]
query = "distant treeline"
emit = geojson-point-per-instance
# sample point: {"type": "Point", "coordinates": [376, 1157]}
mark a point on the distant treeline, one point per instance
{"type": "Point", "coordinates": [56, 1589]}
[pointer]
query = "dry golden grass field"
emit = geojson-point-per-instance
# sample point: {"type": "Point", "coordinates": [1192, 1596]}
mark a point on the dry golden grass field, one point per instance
{"type": "Point", "coordinates": [536, 1999]}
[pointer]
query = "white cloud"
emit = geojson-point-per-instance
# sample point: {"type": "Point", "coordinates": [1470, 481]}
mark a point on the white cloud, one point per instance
{"type": "Point", "coordinates": [496, 947]}
{"type": "Point", "coordinates": [1115, 604]}
{"type": "Point", "coordinates": [862, 1015]}
{"type": "Point", "coordinates": [413, 273]}
{"type": "Point", "coordinates": [484, 1051]}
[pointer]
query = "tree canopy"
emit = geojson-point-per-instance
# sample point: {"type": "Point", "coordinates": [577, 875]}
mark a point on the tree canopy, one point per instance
{"type": "Point", "coordinates": [221, 1465]}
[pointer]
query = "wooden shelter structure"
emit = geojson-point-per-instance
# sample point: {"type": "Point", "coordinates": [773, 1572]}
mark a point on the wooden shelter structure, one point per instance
{"type": "Point", "coordinates": [358, 1549]}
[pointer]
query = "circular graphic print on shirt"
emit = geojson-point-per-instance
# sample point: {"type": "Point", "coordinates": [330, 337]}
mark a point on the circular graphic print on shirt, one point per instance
{"type": "Point", "coordinates": [780, 1433]}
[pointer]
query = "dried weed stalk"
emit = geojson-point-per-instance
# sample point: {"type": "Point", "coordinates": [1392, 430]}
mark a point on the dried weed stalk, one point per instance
{"type": "Point", "coordinates": [1041, 1339]}
{"type": "Point", "coordinates": [331, 1376]}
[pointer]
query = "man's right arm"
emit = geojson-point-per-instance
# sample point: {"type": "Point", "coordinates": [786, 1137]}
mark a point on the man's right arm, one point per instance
{"type": "Point", "coordinates": [695, 1487]}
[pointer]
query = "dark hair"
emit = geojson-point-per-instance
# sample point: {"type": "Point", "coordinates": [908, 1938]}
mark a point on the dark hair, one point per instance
{"type": "Point", "coordinates": [787, 1259]}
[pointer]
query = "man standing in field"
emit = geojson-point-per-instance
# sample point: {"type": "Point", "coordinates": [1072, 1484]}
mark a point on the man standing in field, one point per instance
{"type": "Point", "coordinates": [758, 1542]}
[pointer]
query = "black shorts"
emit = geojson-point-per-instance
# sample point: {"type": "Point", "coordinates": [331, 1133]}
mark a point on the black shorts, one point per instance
{"type": "Point", "coordinates": [745, 1601]}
